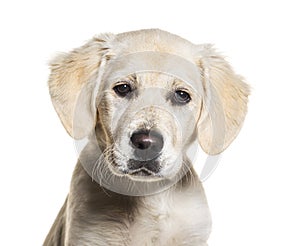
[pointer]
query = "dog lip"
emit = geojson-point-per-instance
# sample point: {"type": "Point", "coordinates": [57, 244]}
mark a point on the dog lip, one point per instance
{"type": "Point", "coordinates": [142, 172]}
{"type": "Point", "coordinates": [151, 166]}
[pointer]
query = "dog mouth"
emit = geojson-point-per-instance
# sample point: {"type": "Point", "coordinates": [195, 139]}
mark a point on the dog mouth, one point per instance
{"type": "Point", "coordinates": [141, 172]}
{"type": "Point", "coordinates": [143, 168]}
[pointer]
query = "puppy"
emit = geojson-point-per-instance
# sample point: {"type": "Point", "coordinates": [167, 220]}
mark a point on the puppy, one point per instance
{"type": "Point", "coordinates": [135, 103]}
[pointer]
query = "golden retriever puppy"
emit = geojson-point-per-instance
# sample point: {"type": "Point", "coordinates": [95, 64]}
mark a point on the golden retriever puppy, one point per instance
{"type": "Point", "coordinates": [136, 103]}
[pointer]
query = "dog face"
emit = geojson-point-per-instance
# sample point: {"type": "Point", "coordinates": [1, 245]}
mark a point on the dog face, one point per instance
{"type": "Point", "coordinates": [147, 118]}
{"type": "Point", "coordinates": [147, 95]}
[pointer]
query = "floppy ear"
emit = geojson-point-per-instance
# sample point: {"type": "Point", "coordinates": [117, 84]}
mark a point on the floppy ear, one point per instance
{"type": "Point", "coordinates": [72, 82]}
{"type": "Point", "coordinates": [224, 105]}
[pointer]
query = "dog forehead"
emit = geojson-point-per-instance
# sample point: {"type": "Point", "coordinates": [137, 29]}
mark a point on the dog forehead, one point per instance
{"type": "Point", "coordinates": [159, 64]}
{"type": "Point", "coordinates": [153, 40]}
{"type": "Point", "coordinates": [154, 79]}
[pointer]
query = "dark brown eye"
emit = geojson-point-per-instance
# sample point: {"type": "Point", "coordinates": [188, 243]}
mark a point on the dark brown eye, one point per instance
{"type": "Point", "coordinates": [122, 90]}
{"type": "Point", "coordinates": [181, 97]}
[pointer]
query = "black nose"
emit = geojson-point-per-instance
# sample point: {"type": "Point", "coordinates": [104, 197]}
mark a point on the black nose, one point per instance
{"type": "Point", "coordinates": [147, 144]}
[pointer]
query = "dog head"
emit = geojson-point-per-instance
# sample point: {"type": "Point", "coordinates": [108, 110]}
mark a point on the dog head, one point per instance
{"type": "Point", "coordinates": [146, 96]}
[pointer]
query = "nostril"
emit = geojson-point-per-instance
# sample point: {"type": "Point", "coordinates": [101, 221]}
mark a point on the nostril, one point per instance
{"type": "Point", "coordinates": [148, 144]}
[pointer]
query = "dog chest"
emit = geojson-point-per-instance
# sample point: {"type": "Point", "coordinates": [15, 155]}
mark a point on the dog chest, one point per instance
{"type": "Point", "coordinates": [171, 219]}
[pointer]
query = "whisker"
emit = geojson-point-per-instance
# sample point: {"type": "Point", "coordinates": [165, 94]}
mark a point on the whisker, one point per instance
{"type": "Point", "coordinates": [189, 174]}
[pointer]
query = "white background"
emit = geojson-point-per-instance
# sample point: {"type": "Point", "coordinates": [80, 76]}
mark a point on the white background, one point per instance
{"type": "Point", "coordinates": [254, 194]}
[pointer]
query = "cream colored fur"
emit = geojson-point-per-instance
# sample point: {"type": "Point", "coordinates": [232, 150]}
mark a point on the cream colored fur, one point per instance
{"type": "Point", "coordinates": [93, 215]}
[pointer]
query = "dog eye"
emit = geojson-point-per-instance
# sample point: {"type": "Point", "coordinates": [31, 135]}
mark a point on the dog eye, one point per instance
{"type": "Point", "coordinates": [182, 97]}
{"type": "Point", "coordinates": [122, 90]}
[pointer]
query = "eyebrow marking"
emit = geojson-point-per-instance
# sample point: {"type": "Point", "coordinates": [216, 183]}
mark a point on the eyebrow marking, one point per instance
{"type": "Point", "coordinates": [132, 77]}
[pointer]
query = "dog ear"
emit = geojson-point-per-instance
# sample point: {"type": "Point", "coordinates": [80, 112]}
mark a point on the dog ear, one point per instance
{"type": "Point", "coordinates": [74, 78]}
{"type": "Point", "coordinates": [224, 103]}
